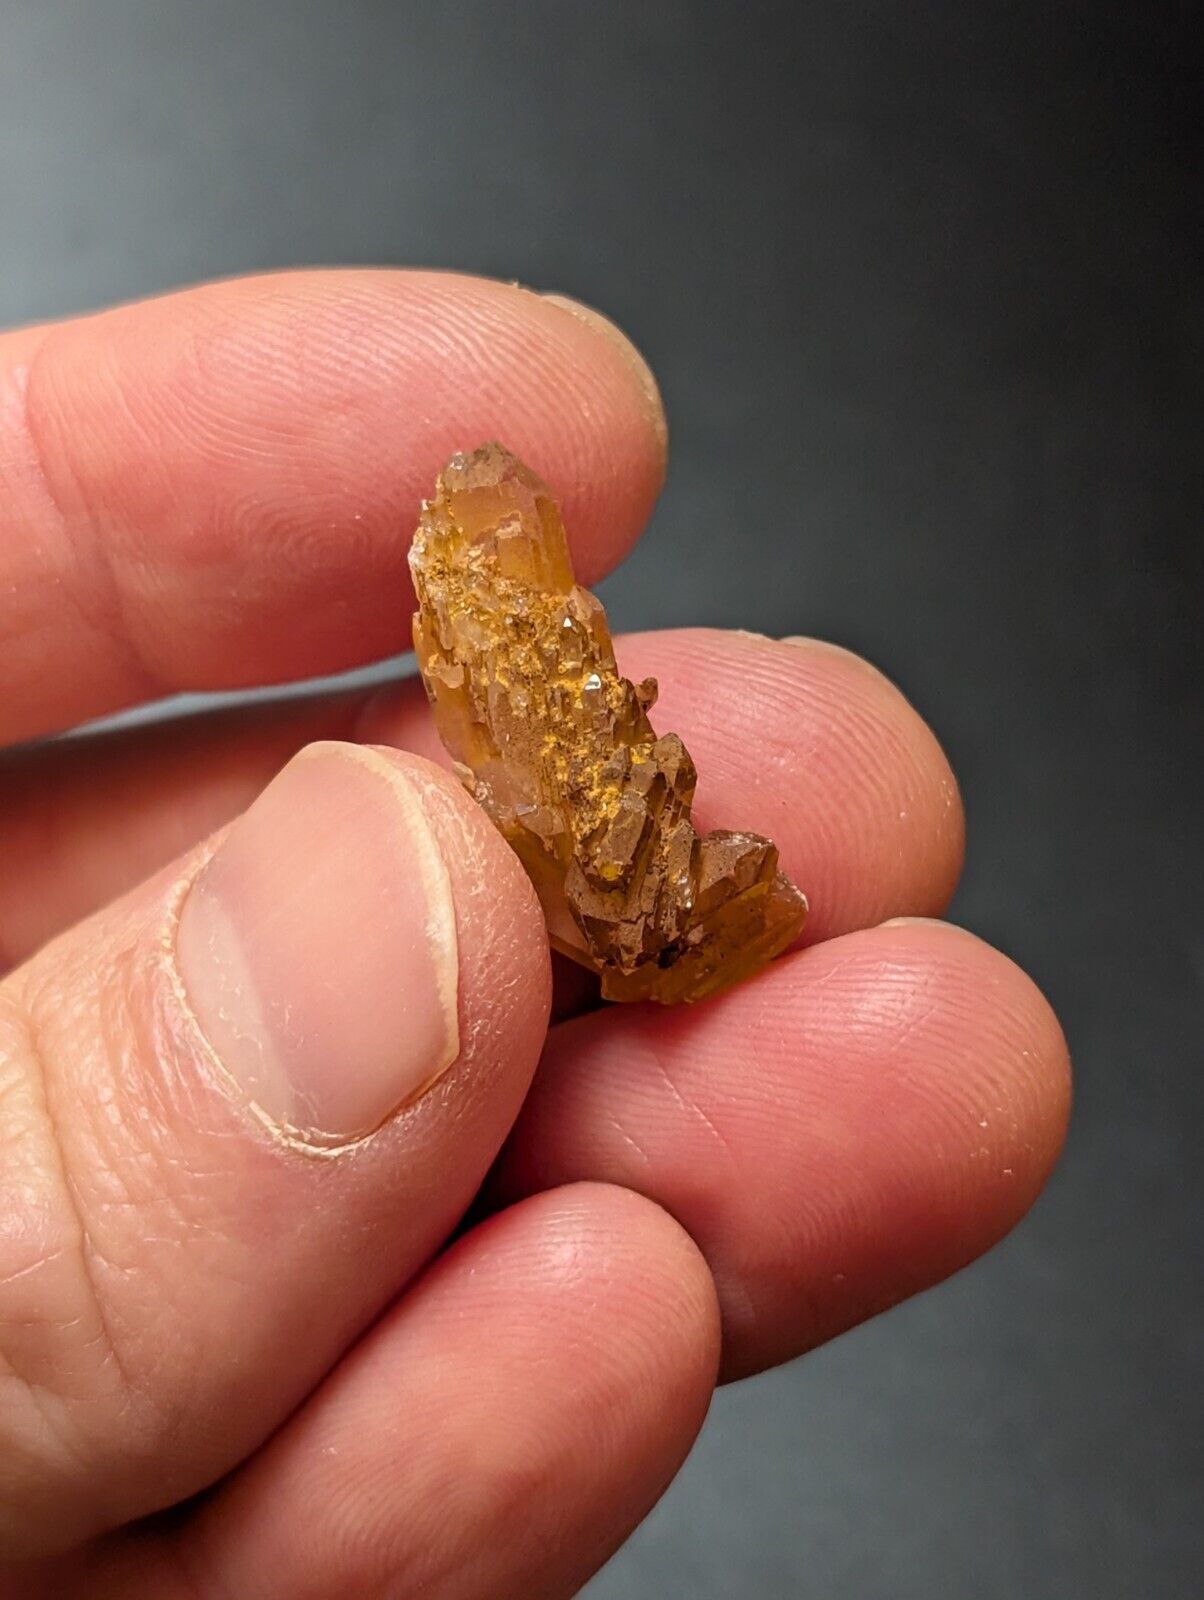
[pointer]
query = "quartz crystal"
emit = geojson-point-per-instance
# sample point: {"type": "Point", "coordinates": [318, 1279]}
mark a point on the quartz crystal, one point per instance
{"type": "Point", "coordinates": [557, 747]}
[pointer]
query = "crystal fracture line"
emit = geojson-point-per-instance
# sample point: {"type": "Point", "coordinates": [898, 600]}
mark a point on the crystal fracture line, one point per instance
{"type": "Point", "coordinates": [557, 747]}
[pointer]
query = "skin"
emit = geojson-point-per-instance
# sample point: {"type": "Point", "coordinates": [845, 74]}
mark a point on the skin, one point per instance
{"type": "Point", "coordinates": [217, 488]}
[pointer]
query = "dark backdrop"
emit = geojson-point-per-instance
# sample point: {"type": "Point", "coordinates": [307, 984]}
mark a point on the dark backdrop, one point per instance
{"type": "Point", "coordinates": [918, 279]}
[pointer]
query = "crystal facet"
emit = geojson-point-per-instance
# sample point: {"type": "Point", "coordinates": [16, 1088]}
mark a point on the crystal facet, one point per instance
{"type": "Point", "coordinates": [557, 747]}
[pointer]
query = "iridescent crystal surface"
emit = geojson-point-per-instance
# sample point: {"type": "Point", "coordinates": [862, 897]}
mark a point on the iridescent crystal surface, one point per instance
{"type": "Point", "coordinates": [557, 747]}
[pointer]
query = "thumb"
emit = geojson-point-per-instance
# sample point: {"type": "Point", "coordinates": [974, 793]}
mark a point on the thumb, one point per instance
{"type": "Point", "coordinates": [237, 1111]}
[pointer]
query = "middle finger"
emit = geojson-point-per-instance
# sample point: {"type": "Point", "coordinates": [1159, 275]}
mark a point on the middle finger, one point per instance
{"type": "Point", "coordinates": [799, 740]}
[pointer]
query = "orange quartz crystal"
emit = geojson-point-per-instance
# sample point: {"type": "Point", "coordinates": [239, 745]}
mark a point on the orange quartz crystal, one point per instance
{"type": "Point", "coordinates": [557, 747]}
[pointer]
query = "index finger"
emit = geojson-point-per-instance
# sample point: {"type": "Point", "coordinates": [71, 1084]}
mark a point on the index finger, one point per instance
{"type": "Point", "coordinates": [218, 488]}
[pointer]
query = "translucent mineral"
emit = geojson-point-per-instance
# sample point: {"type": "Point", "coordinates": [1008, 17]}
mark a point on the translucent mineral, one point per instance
{"type": "Point", "coordinates": [557, 747]}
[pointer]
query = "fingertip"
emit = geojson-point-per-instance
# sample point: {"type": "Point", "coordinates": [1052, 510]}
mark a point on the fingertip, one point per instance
{"type": "Point", "coordinates": [246, 461]}
{"type": "Point", "coordinates": [856, 1123]}
{"type": "Point", "coordinates": [944, 1078]}
{"type": "Point", "coordinates": [277, 1074]}
{"type": "Point", "coordinates": [667, 1270]}
{"type": "Point", "coordinates": [1000, 1024]}
{"type": "Point", "coordinates": [644, 375]}
{"type": "Point", "coordinates": [893, 787]}
{"type": "Point", "coordinates": [502, 1428]}
{"type": "Point", "coordinates": [821, 752]}
{"type": "Point", "coordinates": [602, 438]}
{"type": "Point", "coordinates": [404, 368]}
{"type": "Point", "coordinates": [336, 951]}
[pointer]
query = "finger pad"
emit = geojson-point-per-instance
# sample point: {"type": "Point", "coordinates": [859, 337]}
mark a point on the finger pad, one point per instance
{"type": "Point", "coordinates": [503, 1428]}
{"type": "Point", "coordinates": [853, 1125]}
{"type": "Point", "coordinates": [237, 470]}
{"type": "Point", "coordinates": [812, 746]}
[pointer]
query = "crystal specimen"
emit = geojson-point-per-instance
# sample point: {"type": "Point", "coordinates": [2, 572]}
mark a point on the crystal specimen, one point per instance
{"type": "Point", "coordinates": [518, 662]}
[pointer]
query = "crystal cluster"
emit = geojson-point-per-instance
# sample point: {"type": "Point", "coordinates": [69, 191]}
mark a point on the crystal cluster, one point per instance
{"type": "Point", "coordinates": [557, 747]}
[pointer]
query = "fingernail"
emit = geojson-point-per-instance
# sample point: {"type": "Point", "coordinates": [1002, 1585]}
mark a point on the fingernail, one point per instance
{"type": "Point", "coordinates": [317, 948]}
{"type": "Point", "coordinates": [912, 922]}
{"type": "Point", "coordinates": [639, 366]}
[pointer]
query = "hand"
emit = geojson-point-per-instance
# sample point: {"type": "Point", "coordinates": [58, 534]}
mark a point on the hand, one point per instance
{"type": "Point", "coordinates": [218, 488]}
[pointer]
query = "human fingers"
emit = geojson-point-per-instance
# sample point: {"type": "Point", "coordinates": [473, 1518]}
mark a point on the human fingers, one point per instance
{"type": "Point", "coordinates": [218, 487]}
{"type": "Point", "coordinates": [801, 740]}
{"type": "Point", "coordinates": [239, 1109]}
{"type": "Point", "coordinates": [83, 820]}
{"type": "Point", "coordinates": [849, 1127]}
{"type": "Point", "coordinates": [495, 1437]}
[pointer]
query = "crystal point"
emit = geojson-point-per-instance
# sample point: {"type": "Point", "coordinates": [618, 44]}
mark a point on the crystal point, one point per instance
{"type": "Point", "coordinates": [557, 747]}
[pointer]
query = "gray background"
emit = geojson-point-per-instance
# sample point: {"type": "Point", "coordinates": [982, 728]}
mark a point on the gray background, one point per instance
{"type": "Point", "coordinates": [919, 281]}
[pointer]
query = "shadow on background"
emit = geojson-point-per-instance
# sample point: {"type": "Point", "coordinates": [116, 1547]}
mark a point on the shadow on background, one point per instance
{"type": "Point", "coordinates": [919, 284]}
